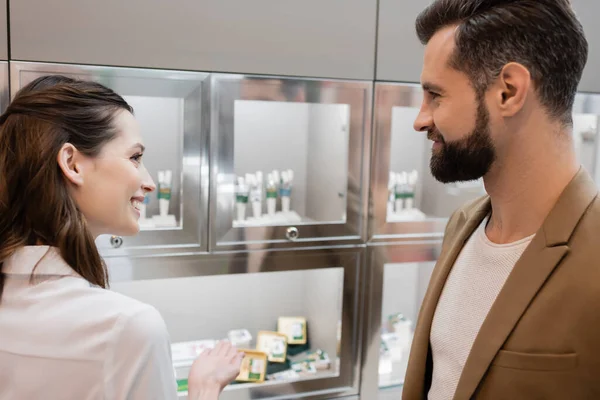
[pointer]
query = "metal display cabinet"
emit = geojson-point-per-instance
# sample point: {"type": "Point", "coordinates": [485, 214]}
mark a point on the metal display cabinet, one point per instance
{"type": "Point", "coordinates": [408, 203]}
{"type": "Point", "coordinates": [398, 276]}
{"type": "Point", "coordinates": [270, 134]}
{"type": "Point", "coordinates": [172, 110]}
{"type": "Point", "coordinates": [204, 299]}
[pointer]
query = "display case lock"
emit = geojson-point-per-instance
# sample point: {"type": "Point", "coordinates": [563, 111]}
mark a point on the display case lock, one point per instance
{"type": "Point", "coordinates": [292, 233]}
{"type": "Point", "coordinates": [116, 241]}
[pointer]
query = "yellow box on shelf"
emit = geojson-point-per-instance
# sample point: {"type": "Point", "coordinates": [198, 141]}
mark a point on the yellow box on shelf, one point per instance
{"type": "Point", "coordinates": [254, 366]}
{"type": "Point", "coordinates": [274, 344]}
{"type": "Point", "coordinates": [294, 328]}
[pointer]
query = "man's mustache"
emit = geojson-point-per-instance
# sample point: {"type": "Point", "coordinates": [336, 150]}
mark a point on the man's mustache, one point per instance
{"type": "Point", "coordinates": [435, 136]}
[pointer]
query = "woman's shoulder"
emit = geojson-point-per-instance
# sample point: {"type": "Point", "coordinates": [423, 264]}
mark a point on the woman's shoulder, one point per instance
{"type": "Point", "coordinates": [128, 315]}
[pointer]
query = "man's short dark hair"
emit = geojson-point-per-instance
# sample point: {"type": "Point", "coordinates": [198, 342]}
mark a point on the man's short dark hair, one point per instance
{"type": "Point", "coordinates": [545, 36]}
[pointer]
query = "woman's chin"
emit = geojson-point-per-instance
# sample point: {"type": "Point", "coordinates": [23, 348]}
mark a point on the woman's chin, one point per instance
{"type": "Point", "coordinates": [134, 230]}
{"type": "Point", "coordinates": [131, 229]}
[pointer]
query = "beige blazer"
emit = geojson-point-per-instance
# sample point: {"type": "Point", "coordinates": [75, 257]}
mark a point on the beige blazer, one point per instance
{"type": "Point", "coordinates": [541, 338]}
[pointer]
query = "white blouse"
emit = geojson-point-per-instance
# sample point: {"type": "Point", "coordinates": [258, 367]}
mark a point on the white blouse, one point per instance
{"type": "Point", "coordinates": [61, 338]}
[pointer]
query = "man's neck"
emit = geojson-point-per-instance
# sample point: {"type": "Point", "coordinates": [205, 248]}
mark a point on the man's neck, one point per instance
{"type": "Point", "coordinates": [525, 186]}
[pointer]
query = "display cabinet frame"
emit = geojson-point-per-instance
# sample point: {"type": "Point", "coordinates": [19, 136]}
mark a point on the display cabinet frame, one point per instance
{"type": "Point", "coordinates": [224, 93]}
{"type": "Point", "coordinates": [378, 255]}
{"type": "Point", "coordinates": [352, 260]}
{"type": "Point", "coordinates": [387, 96]}
{"type": "Point", "coordinates": [4, 85]}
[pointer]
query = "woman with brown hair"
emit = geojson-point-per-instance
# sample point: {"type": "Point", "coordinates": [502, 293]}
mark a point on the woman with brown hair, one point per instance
{"type": "Point", "coordinates": [71, 169]}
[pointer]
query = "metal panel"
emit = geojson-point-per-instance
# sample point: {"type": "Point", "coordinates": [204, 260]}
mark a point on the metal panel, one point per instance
{"type": "Point", "coordinates": [191, 89]}
{"type": "Point", "coordinates": [334, 38]}
{"type": "Point", "coordinates": [3, 31]}
{"type": "Point", "coordinates": [4, 86]}
{"type": "Point", "coordinates": [225, 90]}
{"type": "Point", "coordinates": [399, 52]}
{"type": "Point", "coordinates": [377, 256]}
{"type": "Point", "coordinates": [587, 11]}
{"type": "Point", "coordinates": [177, 268]}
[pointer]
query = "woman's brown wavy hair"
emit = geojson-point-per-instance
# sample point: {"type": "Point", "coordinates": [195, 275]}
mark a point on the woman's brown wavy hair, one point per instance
{"type": "Point", "coordinates": [35, 205]}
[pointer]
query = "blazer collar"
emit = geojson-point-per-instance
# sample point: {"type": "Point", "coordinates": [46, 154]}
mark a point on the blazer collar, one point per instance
{"type": "Point", "coordinates": [560, 223]}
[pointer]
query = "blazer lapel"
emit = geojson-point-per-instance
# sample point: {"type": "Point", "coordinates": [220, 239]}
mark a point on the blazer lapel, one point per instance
{"type": "Point", "coordinates": [547, 249]}
{"type": "Point", "coordinates": [417, 373]}
{"type": "Point", "coordinates": [527, 277]}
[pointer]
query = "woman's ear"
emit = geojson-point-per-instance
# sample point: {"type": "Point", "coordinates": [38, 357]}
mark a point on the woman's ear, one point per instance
{"type": "Point", "coordinates": [68, 160]}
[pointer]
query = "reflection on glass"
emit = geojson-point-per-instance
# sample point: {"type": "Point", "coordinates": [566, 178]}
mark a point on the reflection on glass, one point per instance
{"type": "Point", "coordinates": [404, 287]}
{"type": "Point", "coordinates": [414, 194]}
{"type": "Point", "coordinates": [288, 323]}
{"type": "Point", "coordinates": [585, 128]}
{"type": "Point", "coordinates": [161, 124]}
{"type": "Point", "coordinates": [290, 162]}
{"type": "Point", "coordinates": [586, 111]}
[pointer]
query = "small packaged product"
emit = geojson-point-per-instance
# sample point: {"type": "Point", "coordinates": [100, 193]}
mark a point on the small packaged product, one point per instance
{"type": "Point", "coordinates": [184, 353]}
{"type": "Point", "coordinates": [304, 367]}
{"type": "Point", "coordinates": [254, 367]}
{"type": "Point", "coordinates": [240, 338]}
{"type": "Point", "coordinates": [294, 328]}
{"type": "Point", "coordinates": [274, 344]}
{"type": "Point", "coordinates": [287, 375]}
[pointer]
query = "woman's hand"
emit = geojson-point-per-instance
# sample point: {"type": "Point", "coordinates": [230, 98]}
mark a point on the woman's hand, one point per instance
{"type": "Point", "coordinates": [213, 370]}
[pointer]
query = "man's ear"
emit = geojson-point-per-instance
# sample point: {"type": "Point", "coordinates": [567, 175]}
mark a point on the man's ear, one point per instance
{"type": "Point", "coordinates": [68, 159]}
{"type": "Point", "coordinates": [513, 85]}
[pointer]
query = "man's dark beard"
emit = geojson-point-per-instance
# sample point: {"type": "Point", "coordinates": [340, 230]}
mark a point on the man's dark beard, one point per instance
{"type": "Point", "coordinates": [467, 159]}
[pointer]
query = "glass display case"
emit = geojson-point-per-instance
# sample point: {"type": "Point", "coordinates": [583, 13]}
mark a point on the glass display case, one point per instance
{"type": "Point", "coordinates": [172, 108]}
{"type": "Point", "coordinates": [408, 201]}
{"type": "Point", "coordinates": [398, 278]}
{"type": "Point", "coordinates": [289, 160]}
{"type": "Point", "coordinates": [295, 314]}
